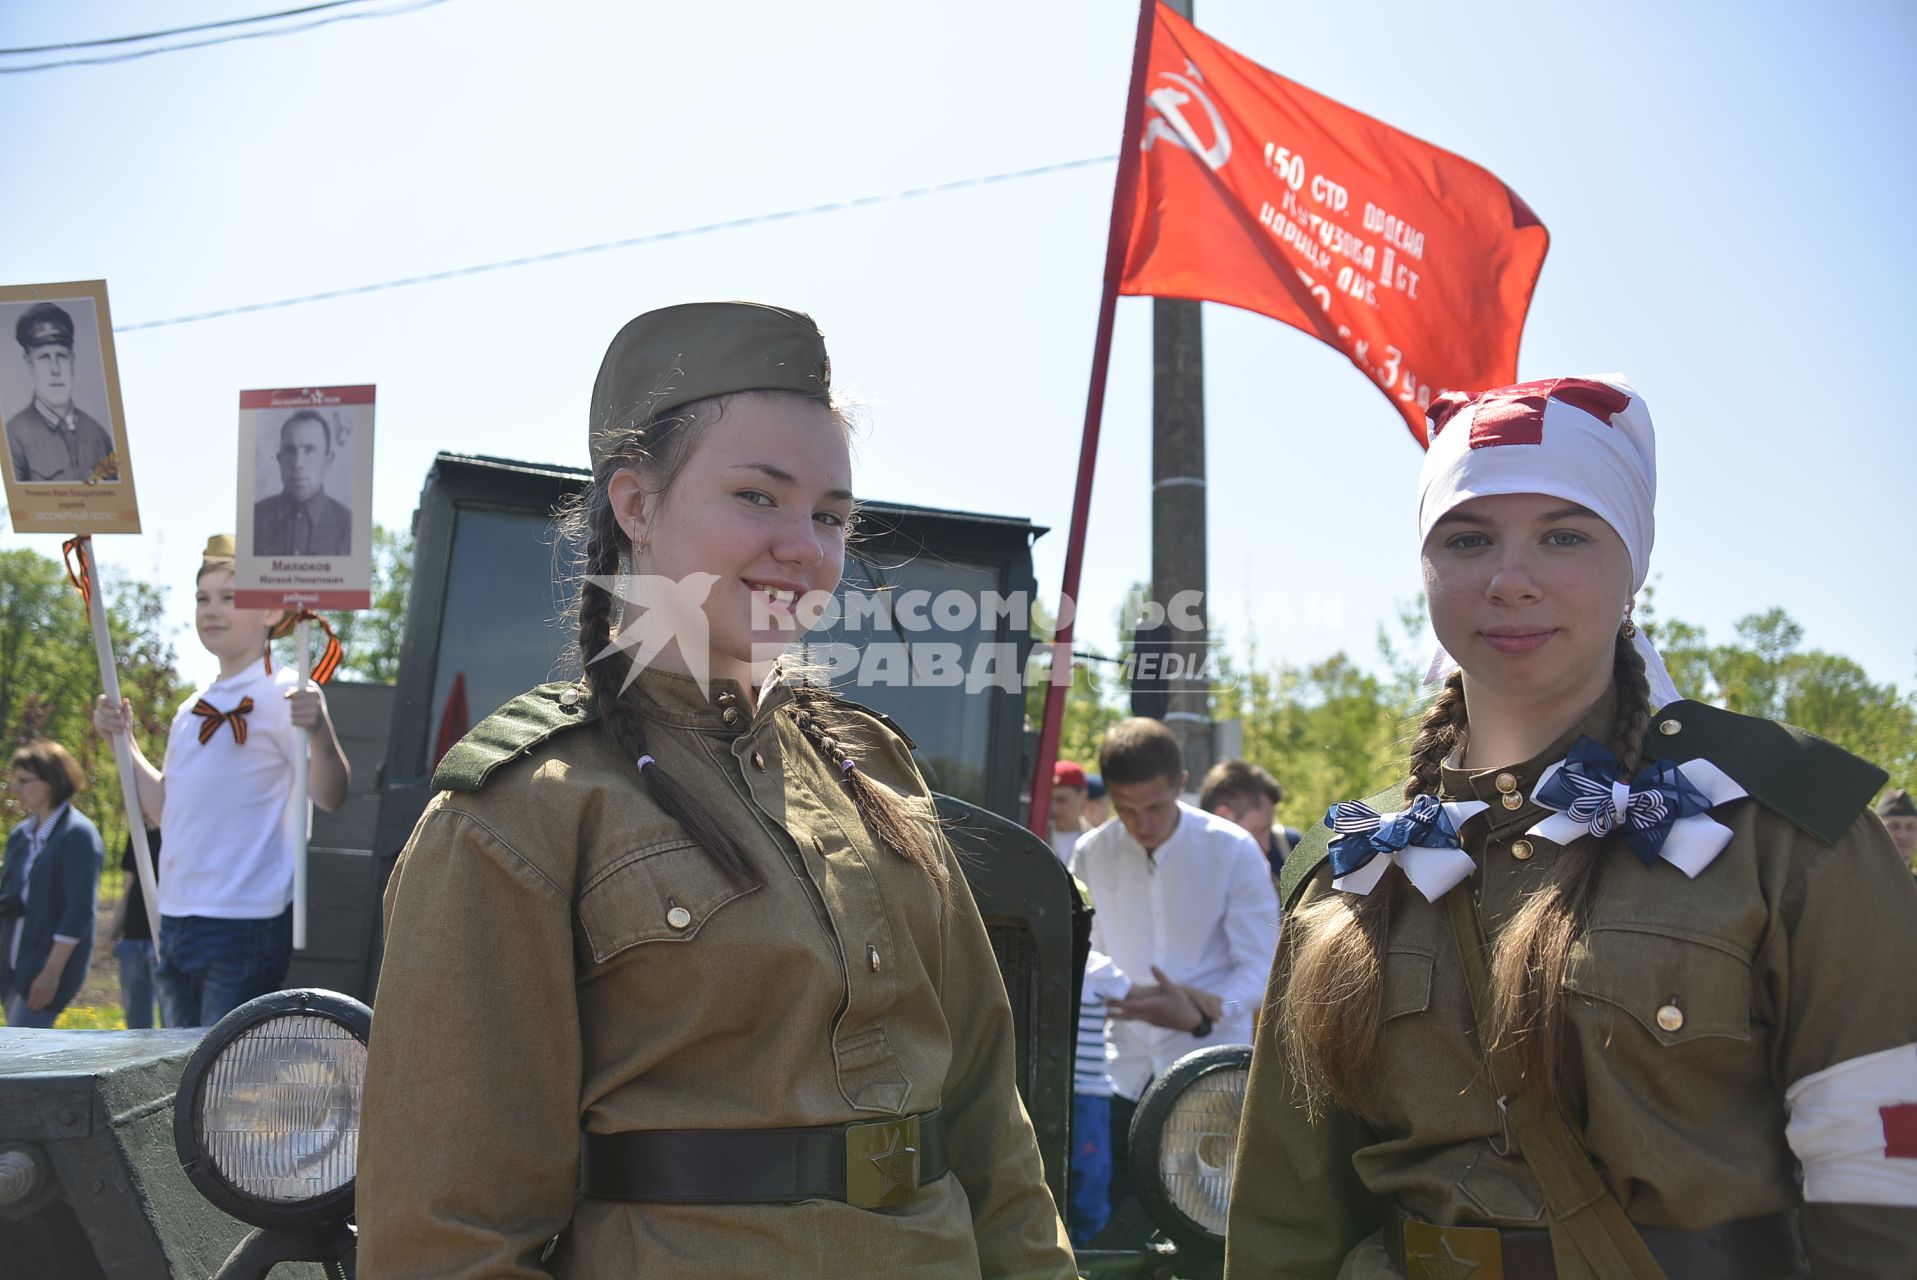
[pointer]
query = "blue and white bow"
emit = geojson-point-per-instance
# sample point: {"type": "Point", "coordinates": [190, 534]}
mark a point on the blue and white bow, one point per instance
{"type": "Point", "coordinates": [1662, 813]}
{"type": "Point", "coordinates": [1422, 839]}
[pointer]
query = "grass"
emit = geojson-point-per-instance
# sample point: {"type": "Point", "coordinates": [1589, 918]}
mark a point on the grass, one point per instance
{"type": "Point", "coordinates": [87, 1017]}
{"type": "Point", "coordinates": [96, 1007]}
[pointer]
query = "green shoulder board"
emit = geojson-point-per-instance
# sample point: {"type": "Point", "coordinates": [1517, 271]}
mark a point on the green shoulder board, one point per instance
{"type": "Point", "coordinates": [1316, 846]}
{"type": "Point", "coordinates": [1815, 784]}
{"type": "Point", "coordinates": [512, 731]}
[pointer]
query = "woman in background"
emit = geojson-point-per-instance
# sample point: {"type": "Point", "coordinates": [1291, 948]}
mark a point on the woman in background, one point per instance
{"type": "Point", "coordinates": [48, 888]}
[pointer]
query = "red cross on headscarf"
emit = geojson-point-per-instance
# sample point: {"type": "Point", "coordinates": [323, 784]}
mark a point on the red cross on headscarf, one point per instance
{"type": "Point", "coordinates": [1515, 415]}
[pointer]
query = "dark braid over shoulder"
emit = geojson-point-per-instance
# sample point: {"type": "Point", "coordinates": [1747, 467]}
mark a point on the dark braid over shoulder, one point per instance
{"type": "Point", "coordinates": [1440, 731]}
{"type": "Point", "coordinates": [605, 542]}
{"type": "Point", "coordinates": [1332, 1001]}
{"type": "Point", "coordinates": [824, 722]}
{"type": "Point", "coordinates": [1633, 706]}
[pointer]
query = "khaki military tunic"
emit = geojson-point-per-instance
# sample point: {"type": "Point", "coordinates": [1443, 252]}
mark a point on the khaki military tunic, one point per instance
{"type": "Point", "coordinates": [1693, 1005]}
{"type": "Point", "coordinates": [561, 957]}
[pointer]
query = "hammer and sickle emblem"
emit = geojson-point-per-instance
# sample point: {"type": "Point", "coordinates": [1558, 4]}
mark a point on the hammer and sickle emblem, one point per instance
{"type": "Point", "coordinates": [1170, 123]}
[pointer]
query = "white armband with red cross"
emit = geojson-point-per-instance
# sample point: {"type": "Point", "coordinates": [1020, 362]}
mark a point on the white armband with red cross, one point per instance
{"type": "Point", "coordinates": [1854, 1128]}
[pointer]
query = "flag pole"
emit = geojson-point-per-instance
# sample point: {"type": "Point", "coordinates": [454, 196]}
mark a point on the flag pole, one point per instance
{"type": "Point", "coordinates": [301, 748]}
{"type": "Point", "coordinates": [1124, 195]}
{"type": "Point", "coordinates": [94, 594]}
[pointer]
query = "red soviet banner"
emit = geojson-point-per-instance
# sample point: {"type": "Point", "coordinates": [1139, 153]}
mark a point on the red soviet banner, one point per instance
{"type": "Point", "coordinates": [1257, 192]}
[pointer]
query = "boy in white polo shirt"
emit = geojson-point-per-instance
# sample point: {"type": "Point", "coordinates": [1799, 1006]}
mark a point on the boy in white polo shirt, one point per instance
{"type": "Point", "coordinates": [224, 804]}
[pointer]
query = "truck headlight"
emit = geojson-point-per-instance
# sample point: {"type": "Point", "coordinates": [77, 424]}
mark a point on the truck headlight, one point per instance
{"type": "Point", "coordinates": [266, 1120]}
{"type": "Point", "coordinates": [1184, 1144]}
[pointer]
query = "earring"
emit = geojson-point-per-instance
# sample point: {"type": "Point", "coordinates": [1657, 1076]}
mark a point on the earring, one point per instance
{"type": "Point", "coordinates": [1630, 627]}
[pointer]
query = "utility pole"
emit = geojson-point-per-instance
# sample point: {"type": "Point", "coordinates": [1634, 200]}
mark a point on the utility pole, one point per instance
{"type": "Point", "coordinates": [1178, 510]}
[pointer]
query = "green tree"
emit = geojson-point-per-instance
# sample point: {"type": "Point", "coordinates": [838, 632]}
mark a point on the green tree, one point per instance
{"type": "Point", "coordinates": [1097, 696]}
{"type": "Point", "coordinates": [1766, 673]}
{"type": "Point", "coordinates": [49, 674]}
{"type": "Point", "coordinates": [371, 637]}
{"type": "Point", "coordinates": [1327, 730]}
{"type": "Point", "coordinates": [1093, 704]}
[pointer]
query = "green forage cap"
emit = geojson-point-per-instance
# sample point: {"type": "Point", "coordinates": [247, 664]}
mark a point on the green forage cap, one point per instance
{"type": "Point", "coordinates": [676, 355]}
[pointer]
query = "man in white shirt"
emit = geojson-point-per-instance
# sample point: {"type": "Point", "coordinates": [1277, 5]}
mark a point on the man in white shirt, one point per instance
{"type": "Point", "coordinates": [1185, 923]}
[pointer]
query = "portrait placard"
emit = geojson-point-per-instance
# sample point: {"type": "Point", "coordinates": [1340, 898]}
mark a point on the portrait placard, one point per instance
{"type": "Point", "coordinates": [67, 467]}
{"type": "Point", "coordinates": [304, 529]}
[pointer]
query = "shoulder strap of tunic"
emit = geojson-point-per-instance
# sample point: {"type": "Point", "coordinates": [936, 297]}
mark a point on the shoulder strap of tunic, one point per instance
{"type": "Point", "coordinates": [514, 730]}
{"type": "Point", "coordinates": [1587, 1222]}
{"type": "Point", "coordinates": [1816, 785]}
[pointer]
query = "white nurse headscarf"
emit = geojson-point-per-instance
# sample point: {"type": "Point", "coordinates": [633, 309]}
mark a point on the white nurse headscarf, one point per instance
{"type": "Point", "coordinates": [1586, 440]}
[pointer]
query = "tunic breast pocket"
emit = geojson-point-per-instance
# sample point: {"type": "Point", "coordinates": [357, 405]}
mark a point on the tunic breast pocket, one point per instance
{"type": "Point", "coordinates": [1679, 988]}
{"type": "Point", "coordinates": [1407, 982]}
{"type": "Point", "coordinates": [660, 893]}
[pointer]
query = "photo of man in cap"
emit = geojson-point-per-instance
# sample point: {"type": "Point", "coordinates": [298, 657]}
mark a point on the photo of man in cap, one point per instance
{"type": "Point", "coordinates": [302, 519]}
{"type": "Point", "coordinates": [1899, 813]}
{"type": "Point", "coordinates": [51, 440]}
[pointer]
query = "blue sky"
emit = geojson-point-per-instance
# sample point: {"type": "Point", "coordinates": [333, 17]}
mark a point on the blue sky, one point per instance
{"type": "Point", "coordinates": [1726, 187]}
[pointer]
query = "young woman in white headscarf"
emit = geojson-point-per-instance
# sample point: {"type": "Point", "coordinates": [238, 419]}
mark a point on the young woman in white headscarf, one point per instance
{"type": "Point", "coordinates": [1600, 990]}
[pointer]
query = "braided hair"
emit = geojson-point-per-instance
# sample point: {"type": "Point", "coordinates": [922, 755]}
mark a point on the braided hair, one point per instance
{"type": "Point", "coordinates": [1333, 998]}
{"type": "Point", "coordinates": [658, 447]}
{"type": "Point", "coordinates": [822, 719]}
{"type": "Point", "coordinates": [1529, 957]}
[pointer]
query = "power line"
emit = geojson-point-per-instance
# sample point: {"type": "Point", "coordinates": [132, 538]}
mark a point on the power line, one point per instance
{"type": "Point", "coordinates": [175, 31]}
{"type": "Point", "coordinates": [630, 242]}
{"type": "Point", "coordinates": [226, 39]}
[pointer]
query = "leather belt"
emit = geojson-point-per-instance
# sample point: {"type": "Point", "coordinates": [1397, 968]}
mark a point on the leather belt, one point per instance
{"type": "Point", "coordinates": [874, 1164]}
{"type": "Point", "coordinates": [1763, 1248]}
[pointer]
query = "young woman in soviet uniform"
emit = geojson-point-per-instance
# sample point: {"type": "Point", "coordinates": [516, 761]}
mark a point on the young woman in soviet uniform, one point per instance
{"type": "Point", "coordinates": [1683, 935]}
{"type": "Point", "coordinates": [682, 981]}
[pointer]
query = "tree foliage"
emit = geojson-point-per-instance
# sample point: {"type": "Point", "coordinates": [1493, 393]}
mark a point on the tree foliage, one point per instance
{"type": "Point", "coordinates": [1766, 673]}
{"type": "Point", "coordinates": [371, 637]}
{"type": "Point", "coordinates": [49, 675]}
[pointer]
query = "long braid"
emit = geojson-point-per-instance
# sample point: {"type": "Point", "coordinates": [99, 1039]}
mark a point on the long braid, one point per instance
{"type": "Point", "coordinates": [824, 725]}
{"type": "Point", "coordinates": [1333, 999]}
{"type": "Point", "coordinates": [1633, 706]}
{"type": "Point", "coordinates": [1533, 951]}
{"type": "Point", "coordinates": [605, 541]}
{"type": "Point", "coordinates": [1439, 733]}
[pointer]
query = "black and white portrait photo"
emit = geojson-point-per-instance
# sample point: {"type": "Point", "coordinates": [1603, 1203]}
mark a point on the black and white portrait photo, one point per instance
{"type": "Point", "coordinates": [303, 459]}
{"type": "Point", "coordinates": [53, 394]}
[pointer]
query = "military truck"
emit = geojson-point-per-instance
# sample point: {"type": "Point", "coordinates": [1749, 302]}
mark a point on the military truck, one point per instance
{"type": "Point", "coordinates": [487, 619]}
